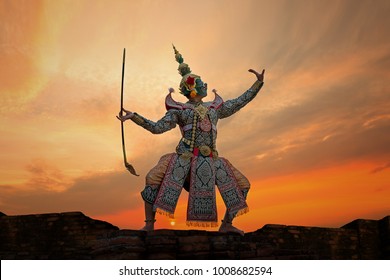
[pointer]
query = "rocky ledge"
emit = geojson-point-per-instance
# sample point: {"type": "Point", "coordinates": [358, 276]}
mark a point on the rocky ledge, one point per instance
{"type": "Point", "coordinates": [73, 235]}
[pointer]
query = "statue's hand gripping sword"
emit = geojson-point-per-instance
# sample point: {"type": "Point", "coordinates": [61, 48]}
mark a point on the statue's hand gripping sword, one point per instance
{"type": "Point", "coordinates": [128, 166]}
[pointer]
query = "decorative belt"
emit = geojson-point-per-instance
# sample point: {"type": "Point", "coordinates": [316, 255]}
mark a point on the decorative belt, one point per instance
{"type": "Point", "coordinates": [204, 150]}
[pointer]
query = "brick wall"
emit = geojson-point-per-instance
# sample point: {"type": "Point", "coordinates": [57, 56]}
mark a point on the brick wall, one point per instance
{"type": "Point", "coordinates": [75, 236]}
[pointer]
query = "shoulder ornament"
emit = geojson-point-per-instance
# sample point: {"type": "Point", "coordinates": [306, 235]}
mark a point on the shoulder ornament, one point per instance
{"type": "Point", "coordinates": [218, 101]}
{"type": "Point", "coordinates": [172, 104]}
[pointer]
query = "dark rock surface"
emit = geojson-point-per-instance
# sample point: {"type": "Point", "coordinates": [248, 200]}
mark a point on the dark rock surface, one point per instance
{"type": "Point", "coordinates": [73, 235]}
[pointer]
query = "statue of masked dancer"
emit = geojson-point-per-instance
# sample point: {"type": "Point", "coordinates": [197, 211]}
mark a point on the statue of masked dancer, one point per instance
{"type": "Point", "coordinates": [196, 165]}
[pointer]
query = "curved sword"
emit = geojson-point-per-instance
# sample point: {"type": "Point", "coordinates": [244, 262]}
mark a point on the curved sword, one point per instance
{"type": "Point", "coordinates": [128, 166]}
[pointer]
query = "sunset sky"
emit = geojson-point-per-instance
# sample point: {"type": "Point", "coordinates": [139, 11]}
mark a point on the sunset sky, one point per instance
{"type": "Point", "coordinates": [315, 142]}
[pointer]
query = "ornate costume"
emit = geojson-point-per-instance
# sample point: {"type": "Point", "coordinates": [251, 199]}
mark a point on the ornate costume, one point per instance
{"type": "Point", "coordinates": [196, 165]}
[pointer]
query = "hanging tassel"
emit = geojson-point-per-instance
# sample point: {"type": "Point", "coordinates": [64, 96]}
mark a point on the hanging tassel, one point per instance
{"type": "Point", "coordinates": [242, 211]}
{"type": "Point", "coordinates": [201, 224]}
{"type": "Point", "coordinates": [165, 213]}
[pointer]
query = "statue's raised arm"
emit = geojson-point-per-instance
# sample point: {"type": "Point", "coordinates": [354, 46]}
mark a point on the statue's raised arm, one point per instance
{"type": "Point", "coordinates": [232, 106]}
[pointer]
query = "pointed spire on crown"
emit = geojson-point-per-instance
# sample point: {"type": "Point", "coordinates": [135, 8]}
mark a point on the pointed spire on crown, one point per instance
{"type": "Point", "coordinates": [184, 69]}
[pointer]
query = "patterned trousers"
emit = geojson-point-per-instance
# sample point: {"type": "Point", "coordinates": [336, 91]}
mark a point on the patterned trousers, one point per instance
{"type": "Point", "coordinates": [156, 175]}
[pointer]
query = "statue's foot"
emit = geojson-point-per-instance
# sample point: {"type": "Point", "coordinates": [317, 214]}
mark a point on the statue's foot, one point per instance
{"type": "Point", "coordinates": [225, 228]}
{"type": "Point", "coordinates": [149, 226]}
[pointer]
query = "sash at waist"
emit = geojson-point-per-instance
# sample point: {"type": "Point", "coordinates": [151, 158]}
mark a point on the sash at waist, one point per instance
{"type": "Point", "coordinates": [204, 150]}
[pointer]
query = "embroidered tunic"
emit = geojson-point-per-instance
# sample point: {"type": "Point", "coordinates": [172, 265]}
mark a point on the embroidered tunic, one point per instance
{"type": "Point", "coordinates": [196, 164]}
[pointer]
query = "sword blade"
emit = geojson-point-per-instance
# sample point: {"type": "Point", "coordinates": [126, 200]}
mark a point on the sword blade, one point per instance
{"type": "Point", "coordinates": [128, 166]}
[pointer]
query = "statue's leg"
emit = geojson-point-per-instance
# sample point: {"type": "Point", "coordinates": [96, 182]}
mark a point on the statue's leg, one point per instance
{"type": "Point", "coordinates": [149, 217]}
{"type": "Point", "coordinates": [244, 186]}
{"type": "Point", "coordinates": [153, 181]}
